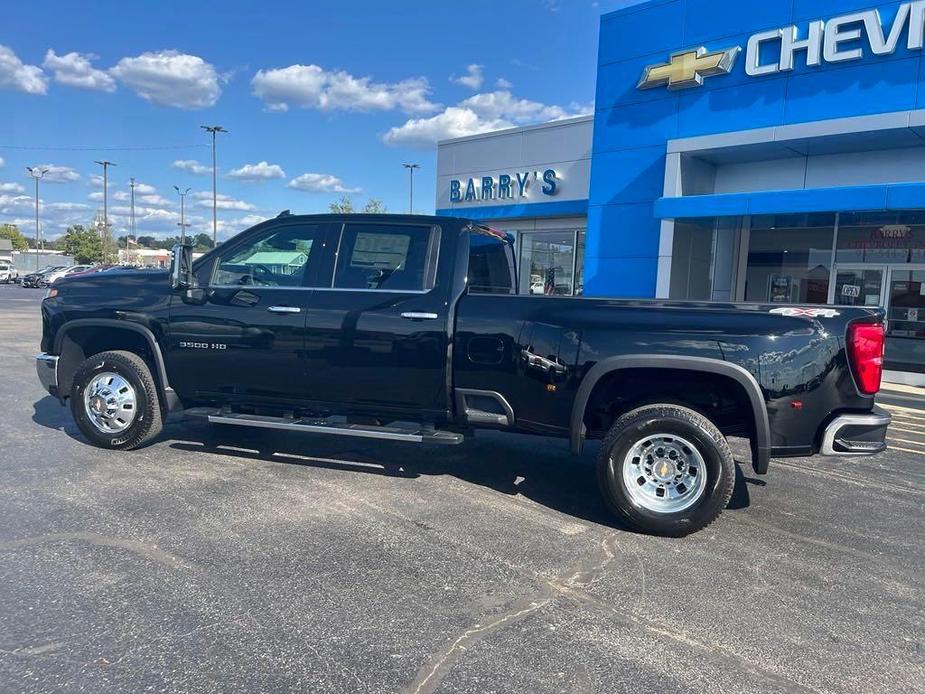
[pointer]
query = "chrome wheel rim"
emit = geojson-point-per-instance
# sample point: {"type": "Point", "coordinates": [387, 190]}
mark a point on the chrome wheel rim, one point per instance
{"type": "Point", "coordinates": [110, 403]}
{"type": "Point", "coordinates": [664, 473]}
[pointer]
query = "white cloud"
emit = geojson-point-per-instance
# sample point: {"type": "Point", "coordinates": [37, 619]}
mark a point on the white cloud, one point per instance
{"type": "Point", "coordinates": [11, 187]}
{"type": "Point", "coordinates": [502, 104]}
{"type": "Point", "coordinates": [222, 202]}
{"type": "Point", "coordinates": [153, 200]}
{"type": "Point", "coordinates": [424, 133]}
{"type": "Point", "coordinates": [229, 227]}
{"type": "Point", "coordinates": [260, 171]}
{"type": "Point", "coordinates": [192, 166]}
{"type": "Point", "coordinates": [76, 70]}
{"type": "Point", "coordinates": [474, 79]}
{"type": "Point", "coordinates": [144, 189]}
{"type": "Point", "coordinates": [59, 174]}
{"type": "Point", "coordinates": [502, 83]}
{"type": "Point", "coordinates": [97, 196]}
{"type": "Point", "coordinates": [320, 183]}
{"type": "Point", "coordinates": [140, 189]}
{"type": "Point", "coordinates": [17, 75]}
{"type": "Point", "coordinates": [170, 78]}
{"type": "Point", "coordinates": [96, 180]}
{"type": "Point", "coordinates": [478, 114]}
{"type": "Point", "coordinates": [2, 162]}
{"type": "Point", "coordinates": [310, 86]}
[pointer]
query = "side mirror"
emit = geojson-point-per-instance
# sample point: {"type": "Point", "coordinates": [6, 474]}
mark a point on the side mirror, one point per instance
{"type": "Point", "coordinates": [181, 267]}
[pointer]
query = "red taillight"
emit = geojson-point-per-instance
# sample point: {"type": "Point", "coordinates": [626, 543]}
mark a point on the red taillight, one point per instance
{"type": "Point", "coordinates": [865, 349]}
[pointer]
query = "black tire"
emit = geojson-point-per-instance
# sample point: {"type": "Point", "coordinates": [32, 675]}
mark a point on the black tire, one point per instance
{"type": "Point", "coordinates": [634, 427]}
{"type": "Point", "coordinates": [147, 418]}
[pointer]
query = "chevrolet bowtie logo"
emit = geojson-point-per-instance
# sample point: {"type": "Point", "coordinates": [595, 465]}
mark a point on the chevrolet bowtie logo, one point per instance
{"type": "Point", "coordinates": [688, 68]}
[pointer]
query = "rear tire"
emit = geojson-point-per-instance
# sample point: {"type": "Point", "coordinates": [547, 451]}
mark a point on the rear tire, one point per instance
{"type": "Point", "coordinates": [666, 470]}
{"type": "Point", "coordinates": [114, 401]}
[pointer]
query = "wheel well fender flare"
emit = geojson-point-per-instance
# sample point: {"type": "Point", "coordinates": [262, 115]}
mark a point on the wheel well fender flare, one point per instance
{"type": "Point", "coordinates": [166, 391]}
{"type": "Point", "coordinates": [761, 443]}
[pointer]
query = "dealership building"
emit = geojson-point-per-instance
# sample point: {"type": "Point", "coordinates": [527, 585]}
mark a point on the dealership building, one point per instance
{"type": "Point", "coordinates": [751, 151]}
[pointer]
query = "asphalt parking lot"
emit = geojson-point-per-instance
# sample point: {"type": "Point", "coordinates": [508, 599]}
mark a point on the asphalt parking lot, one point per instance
{"type": "Point", "coordinates": [219, 560]}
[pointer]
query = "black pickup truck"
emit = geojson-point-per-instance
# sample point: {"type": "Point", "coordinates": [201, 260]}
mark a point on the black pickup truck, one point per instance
{"type": "Point", "coordinates": [409, 328]}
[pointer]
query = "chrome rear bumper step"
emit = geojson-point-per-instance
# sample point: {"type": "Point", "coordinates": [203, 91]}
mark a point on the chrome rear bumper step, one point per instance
{"type": "Point", "coordinates": [316, 426]}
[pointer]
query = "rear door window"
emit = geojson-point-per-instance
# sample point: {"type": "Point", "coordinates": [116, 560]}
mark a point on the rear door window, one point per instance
{"type": "Point", "coordinates": [386, 257]}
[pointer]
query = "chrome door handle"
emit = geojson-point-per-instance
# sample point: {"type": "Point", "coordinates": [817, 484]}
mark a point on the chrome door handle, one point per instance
{"type": "Point", "coordinates": [284, 309]}
{"type": "Point", "coordinates": [416, 315]}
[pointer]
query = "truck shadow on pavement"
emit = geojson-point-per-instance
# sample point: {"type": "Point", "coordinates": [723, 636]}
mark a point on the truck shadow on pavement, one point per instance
{"type": "Point", "coordinates": [539, 469]}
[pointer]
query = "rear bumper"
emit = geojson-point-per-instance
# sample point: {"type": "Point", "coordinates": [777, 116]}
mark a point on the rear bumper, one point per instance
{"type": "Point", "coordinates": [46, 366]}
{"type": "Point", "coordinates": [856, 434]}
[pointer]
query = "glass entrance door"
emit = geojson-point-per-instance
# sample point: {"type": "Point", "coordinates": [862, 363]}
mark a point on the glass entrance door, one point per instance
{"type": "Point", "coordinates": [858, 285]}
{"type": "Point", "coordinates": [905, 336]}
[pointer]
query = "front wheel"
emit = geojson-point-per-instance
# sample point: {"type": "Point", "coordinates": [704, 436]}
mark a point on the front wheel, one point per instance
{"type": "Point", "coordinates": [114, 401]}
{"type": "Point", "coordinates": [666, 470]}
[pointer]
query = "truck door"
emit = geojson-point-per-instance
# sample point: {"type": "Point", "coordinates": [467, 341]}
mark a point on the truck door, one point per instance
{"type": "Point", "coordinates": [242, 336]}
{"type": "Point", "coordinates": [376, 339]}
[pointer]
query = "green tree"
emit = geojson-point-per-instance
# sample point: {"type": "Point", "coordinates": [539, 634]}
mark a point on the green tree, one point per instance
{"type": "Point", "coordinates": [13, 234]}
{"type": "Point", "coordinates": [374, 206]}
{"type": "Point", "coordinates": [202, 242]}
{"type": "Point", "coordinates": [84, 244]}
{"type": "Point", "coordinates": [345, 206]}
{"type": "Point", "coordinates": [342, 206]}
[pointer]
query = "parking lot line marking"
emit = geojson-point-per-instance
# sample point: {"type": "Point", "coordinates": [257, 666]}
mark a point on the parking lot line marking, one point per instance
{"type": "Point", "coordinates": [905, 450]}
{"type": "Point", "coordinates": [916, 443]}
{"type": "Point", "coordinates": [906, 419]}
{"type": "Point", "coordinates": [911, 431]}
{"type": "Point", "coordinates": [900, 408]}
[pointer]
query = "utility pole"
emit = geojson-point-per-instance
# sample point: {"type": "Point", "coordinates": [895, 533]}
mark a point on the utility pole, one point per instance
{"type": "Point", "coordinates": [104, 235]}
{"type": "Point", "coordinates": [214, 129]}
{"type": "Point", "coordinates": [183, 224]}
{"type": "Point", "coordinates": [132, 185]}
{"type": "Point", "coordinates": [36, 173]}
{"type": "Point", "coordinates": [411, 168]}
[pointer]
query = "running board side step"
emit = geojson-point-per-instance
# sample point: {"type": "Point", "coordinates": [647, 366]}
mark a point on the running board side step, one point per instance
{"type": "Point", "coordinates": [315, 426]}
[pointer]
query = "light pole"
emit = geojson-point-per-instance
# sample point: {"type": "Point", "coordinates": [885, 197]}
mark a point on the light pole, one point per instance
{"type": "Point", "coordinates": [182, 194]}
{"type": "Point", "coordinates": [214, 129]}
{"type": "Point", "coordinates": [132, 185]}
{"type": "Point", "coordinates": [37, 175]}
{"type": "Point", "coordinates": [104, 235]}
{"type": "Point", "coordinates": [411, 168]}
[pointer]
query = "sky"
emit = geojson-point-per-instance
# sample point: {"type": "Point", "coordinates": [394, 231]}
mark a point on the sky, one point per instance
{"type": "Point", "coordinates": [321, 100]}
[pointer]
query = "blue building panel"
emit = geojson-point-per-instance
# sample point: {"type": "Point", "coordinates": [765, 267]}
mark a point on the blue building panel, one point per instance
{"type": "Point", "coordinates": [633, 127]}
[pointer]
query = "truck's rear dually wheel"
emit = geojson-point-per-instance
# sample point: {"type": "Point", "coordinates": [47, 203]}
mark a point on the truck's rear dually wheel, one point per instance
{"type": "Point", "coordinates": [666, 470]}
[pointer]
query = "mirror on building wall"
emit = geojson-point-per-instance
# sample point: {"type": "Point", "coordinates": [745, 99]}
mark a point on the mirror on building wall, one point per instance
{"type": "Point", "coordinates": [790, 258]}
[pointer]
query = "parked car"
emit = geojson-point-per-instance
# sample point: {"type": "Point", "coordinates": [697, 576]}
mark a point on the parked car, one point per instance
{"type": "Point", "coordinates": [37, 279]}
{"type": "Point", "coordinates": [363, 323]}
{"type": "Point", "coordinates": [103, 267]}
{"type": "Point", "coordinates": [8, 274]}
{"type": "Point", "coordinates": [53, 277]}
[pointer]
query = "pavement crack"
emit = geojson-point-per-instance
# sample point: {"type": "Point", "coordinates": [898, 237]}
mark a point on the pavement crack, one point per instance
{"type": "Point", "coordinates": [431, 675]}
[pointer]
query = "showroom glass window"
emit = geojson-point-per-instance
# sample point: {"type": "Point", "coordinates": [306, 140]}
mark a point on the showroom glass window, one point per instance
{"type": "Point", "coordinates": [881, 238]}
{"type": "Point", "coordinates": [790, 258]}
{"type": "Point", "coordinates": [549, 262]}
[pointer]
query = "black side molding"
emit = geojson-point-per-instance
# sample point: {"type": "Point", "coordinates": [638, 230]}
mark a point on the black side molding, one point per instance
{"type": "Point", "coordinates": [171, 401]}
{"type": "Point", "coordinates": [761, 443]}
